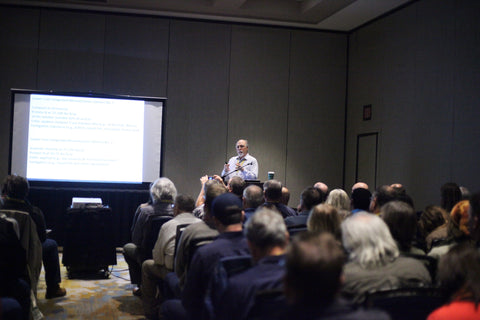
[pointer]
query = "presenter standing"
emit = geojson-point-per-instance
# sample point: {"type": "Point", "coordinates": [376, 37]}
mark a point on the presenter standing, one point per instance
{"type": "Point", "coordinates": [243, 165]}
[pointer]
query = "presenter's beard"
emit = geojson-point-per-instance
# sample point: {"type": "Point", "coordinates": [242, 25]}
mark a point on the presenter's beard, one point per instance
{"type": "Point", "coordinates": [240, 154]}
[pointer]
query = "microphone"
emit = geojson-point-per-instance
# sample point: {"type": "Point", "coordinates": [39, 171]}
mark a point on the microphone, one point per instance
{"type": "Point", "coordinates": [227, 174]}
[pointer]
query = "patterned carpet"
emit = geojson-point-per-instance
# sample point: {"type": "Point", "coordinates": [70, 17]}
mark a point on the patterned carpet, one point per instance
{"type": "Point", "coordinates": [93, 297]}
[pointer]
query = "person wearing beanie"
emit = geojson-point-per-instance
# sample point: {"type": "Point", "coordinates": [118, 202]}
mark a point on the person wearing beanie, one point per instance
{"type": "Point", "coordinates": [227, 216]}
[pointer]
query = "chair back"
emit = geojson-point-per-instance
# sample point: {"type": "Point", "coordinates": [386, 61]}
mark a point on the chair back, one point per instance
{"type": "Point", "coordinates": [178, 234]}
{"type": "Point", "coordinates": [406, 303]}
{"type": "Point", "coordinates": [196, 243]}
{"type": "Point", "coordinates": [268, 304]}
{"type": "Point", "coordinates": [225, 268]}
{"type": "Point", "coordinates": [152, 227]}
{"type": "Point", "coordinates": [294, 229]}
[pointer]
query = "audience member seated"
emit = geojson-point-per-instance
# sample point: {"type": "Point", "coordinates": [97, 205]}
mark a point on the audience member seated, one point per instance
{"type": "Point", "coordinates": [324, 218]}
{"type": "Point", "coordinates": [360, 185]}
{"type": "Point", "coordinates": [236, 185]}
{"type": "Point", "coordinates": [432, 226]}
{"type": "Point", "coordinates": [252, 199]}
{"type": "Point", "coordinates": [15, 191]}
{"type": "Point", "coordinates": [309, 198]}
{"type": "Point", "coordinates": [200, 203]}
{"type": "Point", "coordinates": [227, 216]}
{"type": "Point", "coordinates": [202, 230]}
{"type": "Point", "coordinates": [272, 191]}
{"type": "Point", "coordinates": [14, 279]}
{"type": "Point", "coordinates": [450, 194]}
{"type": "Point", "coordinates": [314, 278]}
{"type": "Point", "coordinates": [457, 230]}
{"type": "Point", "coordinates": [340, 200]}
{"type": "Point", "coordinates": [474, 218]}
{"type": "Point", "coordinates": [402, 222]}
{"type": "Point", "coordinates": [267, 239]}
{"type": "Point", "coordinates": [192, 238]}
{"type": "Point", "coordinates": [285, 196]}
{"type": "Point", "coordinates": [155, 270]}
{"type": "Point", "coordinates": [401, 194]}
{"type": "Point", "coordinates": [162, 196]}
{"type": "Point", "coordinates": [323, 188]}
{"type": "Point", "coordinates": [380, 197]}
{"type": "Point", "coordinates": [201, 195]}
{"type": "Point", "coordinates": [374, 262]}
{"type": "Point", "coordinates": [360, 200]}
{"type": "Point", "coordinates": [459, 277]}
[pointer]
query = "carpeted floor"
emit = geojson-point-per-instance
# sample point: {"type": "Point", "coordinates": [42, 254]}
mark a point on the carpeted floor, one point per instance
{"type": "Point", "coordinates": [92, 297]}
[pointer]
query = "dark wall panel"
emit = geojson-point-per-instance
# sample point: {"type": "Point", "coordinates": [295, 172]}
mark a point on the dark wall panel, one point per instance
{"type": "Point", "coordinates": [258, 101]}
{"type": "Point", "coordinates": [316, 113]}
{"type": "Point", "coordinates": [466, 134]}
{"type": "Point", "coordinates": [136, 55]}
{"type": "Point", "coordinates": [18, 66]}
{"type": "Point", "coordinates": [196, 120]}
{"type": "Point", "coordinates": [71, 51]}
{"type": "Point", "coordinates": [417, 68]}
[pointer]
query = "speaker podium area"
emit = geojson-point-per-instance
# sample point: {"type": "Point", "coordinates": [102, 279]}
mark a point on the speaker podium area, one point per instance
{"type": "Point", "coordinates": [89, 247]}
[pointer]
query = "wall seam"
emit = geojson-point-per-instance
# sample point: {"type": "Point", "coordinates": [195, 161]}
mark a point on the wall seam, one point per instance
{"type": "Point", "coordinates": [104, 51]}
{"type": "Point", "coordinates": [229, 67]}
{"type": "Point", "coordinates": [345, 121]}
{"type": "Point", "coordinates": [454, 85]}
{"type": "Point", "coordinates": [38, 48]}
{"type": "Point", "coordinates": [288, 102]}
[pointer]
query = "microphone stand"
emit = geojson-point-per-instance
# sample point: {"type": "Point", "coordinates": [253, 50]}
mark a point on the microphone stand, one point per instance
{"type": "Point", "coordinates": [227, 174]}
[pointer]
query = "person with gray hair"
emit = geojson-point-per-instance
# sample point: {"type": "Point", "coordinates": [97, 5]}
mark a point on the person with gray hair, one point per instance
{"type": "Point", "coordinates": [313, 280]}
{"type": "Point", "coordinates": [374, 262]}
{"type": "Point", "coordinates": [267, 238]}
{"type": "Point", "coordinates": [162, 196]}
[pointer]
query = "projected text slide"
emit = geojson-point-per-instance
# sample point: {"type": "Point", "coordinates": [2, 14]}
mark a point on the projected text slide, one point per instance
{"type": "Point", "coordinates": [85, 139]}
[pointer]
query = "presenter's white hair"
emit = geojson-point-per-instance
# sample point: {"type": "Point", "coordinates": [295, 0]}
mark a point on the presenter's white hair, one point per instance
{"type": "Point", "coordinates": [163, 189]}
{"type": "Point", "coordinates": [246, 142]}
{"type": "Point", "coordinates": [368, 241]}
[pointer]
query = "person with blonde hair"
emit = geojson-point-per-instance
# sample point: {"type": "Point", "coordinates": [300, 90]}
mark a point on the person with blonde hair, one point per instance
{"type": "Point", "coordinates": [340, 200]}
{"type": "Point", "coordinates": [324, 218]}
